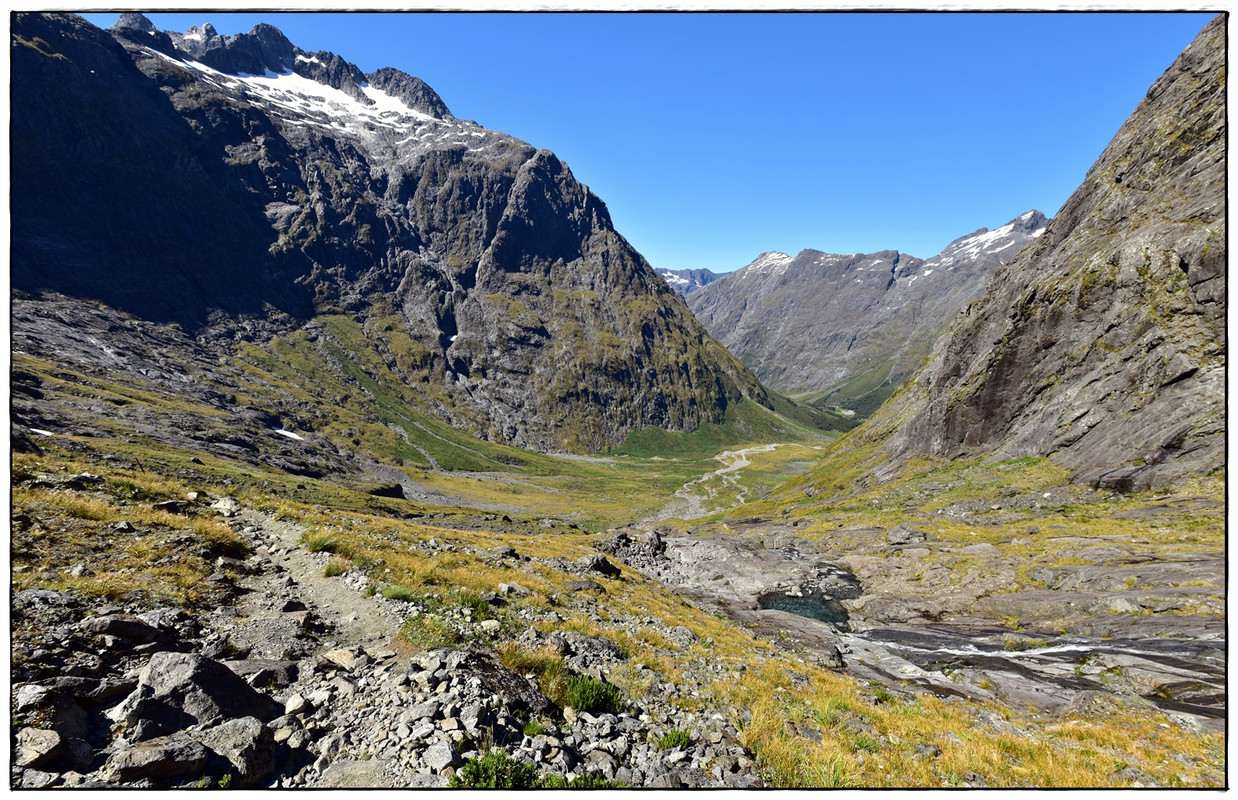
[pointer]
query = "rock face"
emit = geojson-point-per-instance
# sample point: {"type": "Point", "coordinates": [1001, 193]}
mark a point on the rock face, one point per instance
{"type": "Point", "coordinates": [1103, 343]}
{"type": "Point", "coordinates": [858, 324]}
{"type": "Point", "coordinates": [249, 185]}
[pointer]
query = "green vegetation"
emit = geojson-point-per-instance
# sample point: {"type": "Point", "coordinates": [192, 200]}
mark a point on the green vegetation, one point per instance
{"type": "Point", "coordinates": [588, 694]}
{"type": "Point", "coordinates": [497, 770]}
{"type": "Point", "coordinates": [746, 422]}
{"type": "Point", "coordinates": [676, 737]}
{"type": "Point", "coordinates": [429, 632]}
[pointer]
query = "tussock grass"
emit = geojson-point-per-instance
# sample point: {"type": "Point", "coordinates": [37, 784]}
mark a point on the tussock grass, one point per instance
{"type": "Point", "coordinates": [863, 737]}
{"type": "Point", "coordinates": [429, 632]}
{"type": "Point", "coordinates": [67, 531]}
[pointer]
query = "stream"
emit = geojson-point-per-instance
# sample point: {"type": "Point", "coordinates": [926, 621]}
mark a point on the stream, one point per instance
{"type": "Point", "coordinates": [1180, 676]}
{"type": "Point", "coordinates": [1050, 673]}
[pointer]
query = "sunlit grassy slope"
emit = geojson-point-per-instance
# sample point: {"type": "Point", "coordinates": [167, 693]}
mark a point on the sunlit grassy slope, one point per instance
{"type": "Point", "coordinates": [809, 726]}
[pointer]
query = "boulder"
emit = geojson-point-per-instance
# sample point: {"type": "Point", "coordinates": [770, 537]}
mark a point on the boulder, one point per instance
{"type": "Point", "coordinates": [176, 690]}
{"type": "Point", "coordinates": [226, 506]}
{"type": "Point", "coordinates": [162, 760]}
{"type": "Point", "coordinates": [596, 563]}
{"type": "Point", "coordinates": [124, 626]}
{"type": "Point", "coordinates": [905, 534]}
{"type": "Point", "coordinates": [248, 748]}
{"type": "Point", "coordinates": [172, 506]}
{"type": "Point", "coordinates": [265, 671]}
{"type": "Point", "coordinates": [37, 748]}
{"type": "Point", "coordinates": [350, 659]}
{"type": "Point", "coordinates": [441, 755]}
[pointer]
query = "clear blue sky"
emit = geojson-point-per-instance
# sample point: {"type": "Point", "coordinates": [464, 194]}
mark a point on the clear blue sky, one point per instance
{"type": "Point", "coordinates": [713, 137]}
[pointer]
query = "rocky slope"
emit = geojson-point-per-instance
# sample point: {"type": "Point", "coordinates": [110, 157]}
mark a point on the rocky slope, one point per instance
{"type": "Point", "coordinates": [294, 679]}
{"type": "Point", "coordinates": [1103, 343]}
{"type": "Point", "coordinates": [249, 185]}
{"type": "Point", "coordinates": [810, 323]}
{"type": "Point", "coordinates": [687, 281]}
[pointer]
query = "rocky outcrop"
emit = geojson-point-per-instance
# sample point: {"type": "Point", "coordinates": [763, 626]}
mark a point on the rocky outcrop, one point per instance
{"type": "Point", "coordinates": [851, 328]}
{"type": "Point", "coordinates": [249, 183]}
{"type": "Point", "coordinates": [332, 700]}
{"type": "Point", "coordinates": [1102, 344]}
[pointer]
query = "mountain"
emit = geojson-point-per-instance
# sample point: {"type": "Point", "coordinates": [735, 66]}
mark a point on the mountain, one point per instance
{"type": "Point", "coordinates": [856, 323]}
{"type": "Point", "coordinates": [238, 191]}
{"type": "Point", "coordinates": [1103, 343]}
{"type": "Point", "coordinates": [686, 281]}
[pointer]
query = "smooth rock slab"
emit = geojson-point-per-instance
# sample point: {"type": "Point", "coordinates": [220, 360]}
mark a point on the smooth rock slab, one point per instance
{"type": "Point", "coordinates": [159, 760]}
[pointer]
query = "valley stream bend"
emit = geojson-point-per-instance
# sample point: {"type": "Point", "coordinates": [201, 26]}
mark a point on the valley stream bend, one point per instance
{"type": "Point", "coordinates": [690, 503]}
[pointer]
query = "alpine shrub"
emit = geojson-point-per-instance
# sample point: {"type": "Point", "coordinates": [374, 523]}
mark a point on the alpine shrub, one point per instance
{"type": "Point", "coordinates": [593, 696]}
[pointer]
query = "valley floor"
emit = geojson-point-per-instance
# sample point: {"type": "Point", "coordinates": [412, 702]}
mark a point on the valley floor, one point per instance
{"type": "Point", "coordinates": [986, 638]}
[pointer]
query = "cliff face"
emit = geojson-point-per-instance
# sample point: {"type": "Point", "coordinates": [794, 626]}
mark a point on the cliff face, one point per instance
{"type": "Point", "coordinates": [231, 184]}
{"type": "Point", "coordinates": [1103, 343]}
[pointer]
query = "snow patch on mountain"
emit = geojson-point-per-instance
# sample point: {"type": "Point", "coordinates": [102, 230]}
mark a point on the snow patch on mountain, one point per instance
{"type": "Point", "coordinates": [771, 263]}
{"type": "Point", "coordinates": [299, 100]}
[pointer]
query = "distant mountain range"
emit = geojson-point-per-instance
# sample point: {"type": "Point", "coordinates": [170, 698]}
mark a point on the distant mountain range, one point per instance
{"type": "Point", "coordinates": [686, 281]}
{"type": "Point", "coordinates": [846, 330]}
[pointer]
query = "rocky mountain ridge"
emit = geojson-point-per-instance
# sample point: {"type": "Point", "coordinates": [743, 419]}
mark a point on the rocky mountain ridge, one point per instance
{"type": "Point", "coordinates": [1103, 343]}
{"type": "Point", "coordinates": [523, 316]}
{"type": "Point", "coordinates": [686, 281]}
{"type": "Point", "coordinates": [810, 322]}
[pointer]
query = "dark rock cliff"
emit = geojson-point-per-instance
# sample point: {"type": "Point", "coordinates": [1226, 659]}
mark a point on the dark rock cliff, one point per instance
{"type": "Point", "coordinates": [1103, 343]}
{"type": "Point", "coordinates": [204, 180]}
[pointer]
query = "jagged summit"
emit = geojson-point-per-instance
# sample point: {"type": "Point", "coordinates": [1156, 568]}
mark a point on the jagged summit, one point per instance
{"type": "Point", "coordinates": [1006, 240]}
{"type": "Point", "coordinates": [267, 53]}
{"type": "Point", "coordinates": [250, 188]}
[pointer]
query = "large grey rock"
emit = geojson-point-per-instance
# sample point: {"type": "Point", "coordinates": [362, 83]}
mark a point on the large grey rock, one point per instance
{"type": "Point", "coordinates": [596, 563]}
{"type": "Point", "coordinates": [265, 671]}
{"type": "Point", "coordinates": [161, 760]}
{"type": "Point", "coordinates": [125, 626]}
{"type": "Point", "coordinates": [176, 690]}
{"type": "Point", "coordinates": [441, 755]}
{"type": "Point", "coordinates": [246, 745]}
{"type": "Point", "coordinates": [37, 747]}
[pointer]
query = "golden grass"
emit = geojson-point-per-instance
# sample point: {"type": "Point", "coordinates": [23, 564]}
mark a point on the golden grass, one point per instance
{"type": "Point", "coordinates": [820, 729]}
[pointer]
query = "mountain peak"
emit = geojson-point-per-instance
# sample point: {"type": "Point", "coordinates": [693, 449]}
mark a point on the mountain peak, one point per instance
{"type": "Point", "coordinates": [413, 91]}
{"type": "Point", "coordinates": [1002, 242]}
{"type": "Point", "coordinates": [263, 49]}
{"type": "Point", "coordinates": [132, 20]}
{"type": "Point", "coordinates": [773, 261]}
